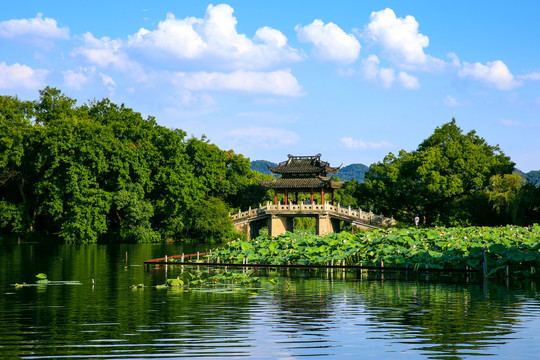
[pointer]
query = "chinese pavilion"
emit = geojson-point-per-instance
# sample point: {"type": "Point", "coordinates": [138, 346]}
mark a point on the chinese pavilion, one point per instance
{"type": "Point", "coordinates": [303, 174]}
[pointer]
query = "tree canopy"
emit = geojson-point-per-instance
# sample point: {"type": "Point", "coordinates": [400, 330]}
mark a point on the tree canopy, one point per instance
{"type": "Point", "coordinates": [448, 179]}
{"type": "Point", "coordinates": [102, 172]}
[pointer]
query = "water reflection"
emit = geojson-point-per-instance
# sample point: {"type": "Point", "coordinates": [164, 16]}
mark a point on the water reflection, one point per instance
{"type": "Point", "coordinates": [317, 313]}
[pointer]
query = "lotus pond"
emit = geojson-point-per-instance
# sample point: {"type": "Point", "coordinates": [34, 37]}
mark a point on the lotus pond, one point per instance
{"type": "Point", "coordinates": [498, 252]}
{"type": "Point", "coordinates": [91, 302]}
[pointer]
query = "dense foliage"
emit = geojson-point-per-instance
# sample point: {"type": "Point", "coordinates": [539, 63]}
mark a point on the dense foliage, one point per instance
{"type": "Point", "coordinates": [453, 179]}
{"type": "Point", "coordinates": [485, 249]}
{"type": "Point", "coordinates": [101, 172]}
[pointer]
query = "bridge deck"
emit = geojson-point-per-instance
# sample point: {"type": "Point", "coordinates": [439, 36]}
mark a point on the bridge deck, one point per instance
{"type": "Point", "coordinates": [335, 211]}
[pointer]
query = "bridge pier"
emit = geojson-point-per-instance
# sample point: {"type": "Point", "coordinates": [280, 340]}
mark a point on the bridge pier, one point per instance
{"type": "Point", "coordinates": [278, 225]}
{"type": "Point", "coordinates": [250, 228]}
{"type": "Point", "coordinates": [325, 224]}
{"type": "Point", "coordinates": [279, 218]}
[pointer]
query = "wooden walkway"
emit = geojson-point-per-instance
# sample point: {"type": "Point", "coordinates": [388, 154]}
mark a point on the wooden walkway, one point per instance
{"type": "Point", "coordinates": [181, 260]}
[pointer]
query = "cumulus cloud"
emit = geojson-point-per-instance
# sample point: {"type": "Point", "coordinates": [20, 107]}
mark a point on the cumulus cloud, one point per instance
{"type": "Point", "coordinates": [76, 80]}
{"type": "Point", "coordinates": [330, 42]}
{"type": "Point", "coordinates": [353, 144]}
{"type": "Point", "coordinates": [215, 41]}
{"type": "Point", "coordinates": [387, 76]}
{"type": "Point", "coordinates": [401, 40]}
{"type": "Point", "coordinates": [280, 82]}
{"type": "Point", "coordinates": [102, 52]}
{"type": "Point", "coordinates": [19, 76]}
{"type": "Point", "coordinates": [37, 30]}
{"type": "Point", "coordinates": [408, 81]}
{"type": "Point", "coordinates": [495, 74]}
{"type": "Point", "coordinates": [108, 53]}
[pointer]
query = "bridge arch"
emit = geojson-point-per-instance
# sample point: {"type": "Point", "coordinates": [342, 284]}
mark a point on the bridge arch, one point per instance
{"type": "Point", "coordinates": [279, 218]}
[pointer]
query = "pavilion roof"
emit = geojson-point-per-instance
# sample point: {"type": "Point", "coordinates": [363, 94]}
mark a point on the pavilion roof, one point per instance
{"type": "Point", "coordinates": [317, 182]}
{"type": "Point", "coordinates": [304, 165]}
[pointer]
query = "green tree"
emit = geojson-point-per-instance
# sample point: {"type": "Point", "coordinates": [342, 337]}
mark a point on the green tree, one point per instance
{"type": "Point", "coordinates": [502, 192]}
{"type": "Point", "coordinates": [102, 172]}
{"type": "Point", "coordinates": [441, 179]}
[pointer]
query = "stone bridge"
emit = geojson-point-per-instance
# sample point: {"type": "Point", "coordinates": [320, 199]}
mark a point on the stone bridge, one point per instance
{"type": "Point", "coordinates": [279, 218]}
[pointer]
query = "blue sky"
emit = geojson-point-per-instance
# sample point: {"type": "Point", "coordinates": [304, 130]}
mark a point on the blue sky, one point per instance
{"type": "Point", "coordinates": [353, 80]}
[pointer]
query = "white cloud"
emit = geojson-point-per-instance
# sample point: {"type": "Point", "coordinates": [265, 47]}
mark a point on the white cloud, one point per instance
{"type": "Point", "coordinates": [535, 76]}
{"type": "Point", "coordinates": [371, 67]}
{"type": "Point", "coordinates": [518, 124]}
{"type": "Point", "coordinates": [353, 144]}
{"type": "Point", "coordinates": [106, 52]}
{"type": "Point", "coordinates": [102, 52]}
{"type": "Point", "coordinates": [265, 137]}
{"type": "Point", "coordinates": [280, 82]}
{"type": "Point", "coordinates": [408, 81]}
{"type": "Point", "coordinates": [19, 76]}
{"type": "Point", "coordinates": [215, 41]}
{"type": "Point", "coordinates": [76, 80]}
{"type": "Point", "coordinates": [36, 30]}
{"type": "Point", "coordinates": [451, 101]}
{"type": "Point", "coordinates": [387, 76]}
{"type": "Point", "coordinates": [400, 39]}
{"type": "Point", "coordinates": [330, 41]}
{"type": "Point", "coordinates": [107, 80]}
{"type": "Point", "coordinates": [495, 74]}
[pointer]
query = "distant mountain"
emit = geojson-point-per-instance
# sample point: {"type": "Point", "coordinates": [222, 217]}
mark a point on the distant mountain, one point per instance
{"type": "Point", "coordinates": [261, 166]}
{"type": "Point", "coordinates": [532, 176]}
{"type": "Point", "coordinates": [353, 171]}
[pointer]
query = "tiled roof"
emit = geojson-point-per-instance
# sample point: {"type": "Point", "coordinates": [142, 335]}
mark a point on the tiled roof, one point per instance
{"type": "Point", "coordinates": [304, 165]}
{"type": "Point", "coordinates": [317, 182]}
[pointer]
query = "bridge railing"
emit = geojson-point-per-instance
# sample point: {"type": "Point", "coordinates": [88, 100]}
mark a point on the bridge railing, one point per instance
{"type": "Point", "coordinates": [353, 214]}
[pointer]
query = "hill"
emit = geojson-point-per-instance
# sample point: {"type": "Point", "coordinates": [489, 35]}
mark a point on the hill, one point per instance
{"type": "Point", "coordinates": [533, 177]}
{"type": "Point", "coordinates": [261, 166]}
{"type": "Point", "coordinates": [353, 171]}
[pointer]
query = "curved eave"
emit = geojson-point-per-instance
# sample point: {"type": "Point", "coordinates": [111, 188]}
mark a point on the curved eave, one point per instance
{"type": "Point", "coordinates": [302, 184]}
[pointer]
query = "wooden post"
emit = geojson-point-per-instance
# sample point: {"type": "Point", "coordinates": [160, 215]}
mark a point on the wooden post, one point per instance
{"type": "Point", "coordinates": [286, 197]}
{"type": "Point", "coordinates": [322, 196]}
{"type": "Point", "coordinates": [311, 198]}
{"type": "Point", "coordinates": [275, 196]}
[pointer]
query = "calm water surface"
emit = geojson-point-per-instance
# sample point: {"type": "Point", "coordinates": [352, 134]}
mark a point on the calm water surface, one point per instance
{"type": "Point", "coordinates": [317, 314]}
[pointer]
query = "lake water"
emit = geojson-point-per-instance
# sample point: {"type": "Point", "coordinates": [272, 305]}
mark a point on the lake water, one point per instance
{"type": "Point", "coordinates": [318, 314]}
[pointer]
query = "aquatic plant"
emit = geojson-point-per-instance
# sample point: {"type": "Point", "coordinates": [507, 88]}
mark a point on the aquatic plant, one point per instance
{"type": "Point", "coordinates": [42, 280]}
{"type": "Point", "coordinates": [191, 280]}
{"type": "Point", "coordinates": [510, 249]}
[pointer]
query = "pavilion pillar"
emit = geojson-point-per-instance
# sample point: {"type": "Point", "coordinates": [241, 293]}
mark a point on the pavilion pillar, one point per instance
{"type": "Point", "coordinates": [322, 196]}
{"type": "Point", "coordinates": [275, 196]}
{"type": "Point", "coordinates": [311, 196]}
{"type": "Point", "coordinates": [286, 197]}
{"type": "Point", "coordinates": [332, 196]}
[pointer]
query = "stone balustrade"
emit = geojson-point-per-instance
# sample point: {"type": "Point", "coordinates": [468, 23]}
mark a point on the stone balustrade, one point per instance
{"type": "Point", "coordinates": [345, 212]}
